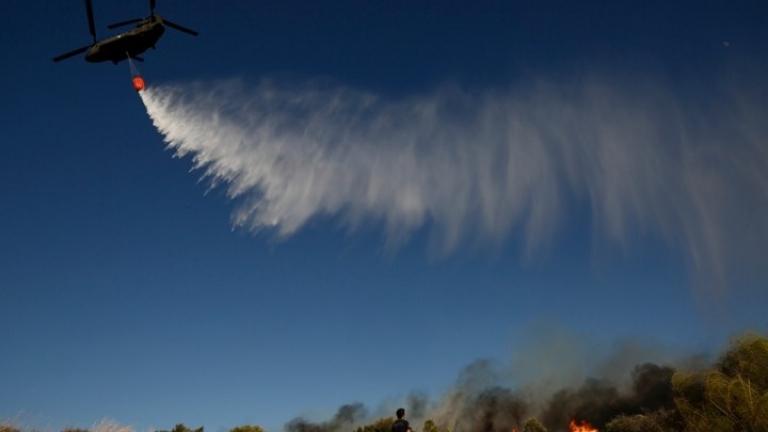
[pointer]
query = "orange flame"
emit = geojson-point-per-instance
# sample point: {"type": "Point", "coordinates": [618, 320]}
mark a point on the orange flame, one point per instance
{"type": "Point", "coordinates": [582, 426]}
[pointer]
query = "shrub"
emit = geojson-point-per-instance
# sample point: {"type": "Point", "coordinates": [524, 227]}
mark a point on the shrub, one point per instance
{"type": "Point", "coordinates": [635, 423]}
{"type": "Point", "coordinates": [533, 425]}
{"type": "Point", "coordinates": [380, 425]}
{"type": "Point", "coordinates": [247, 428]}
{"type": "Point", "coordinates": [730, 398]}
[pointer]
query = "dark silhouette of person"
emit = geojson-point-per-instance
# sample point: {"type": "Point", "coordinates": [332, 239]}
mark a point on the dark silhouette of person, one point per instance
{"type": "Point", "coordinates": [401, 424]}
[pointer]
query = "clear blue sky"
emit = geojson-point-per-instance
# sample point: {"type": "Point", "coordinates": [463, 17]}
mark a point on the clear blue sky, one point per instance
{"type": "Point", "coordinates": [126, 294]}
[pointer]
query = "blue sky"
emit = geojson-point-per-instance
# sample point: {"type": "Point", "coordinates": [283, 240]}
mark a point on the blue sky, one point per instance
{"type": "Point", "coordinates": [125, 292]}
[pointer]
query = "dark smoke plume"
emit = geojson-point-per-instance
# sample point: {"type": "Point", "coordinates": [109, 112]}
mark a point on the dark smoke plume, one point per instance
{"type": "Point", "coordinates": [599, 401]}
{"type": "Point", "coordinates": [496, 409]}
{"type": "Point", "coordinates": [478, 403]}
{"type": "Point", "coordinates": [345, 418]}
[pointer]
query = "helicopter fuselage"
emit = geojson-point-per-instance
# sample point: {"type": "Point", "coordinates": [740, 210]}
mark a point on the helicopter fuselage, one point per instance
{"type": "Point", "coordinates": [131, 43]}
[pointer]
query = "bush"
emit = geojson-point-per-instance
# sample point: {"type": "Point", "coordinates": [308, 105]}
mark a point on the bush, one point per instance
{"type": "Point", "coordinates": [533, 425]}
{"type": "Point", "coordinates": [380, 425]}
{"type": "Point", "coordinates": [247, 428]}
{"type": "Point", "coordinates": [431, 426]}
{"type": "Point", "coordinates": [635, 423]}
{"type": "Point", "coordinates": [183, 428]}
{"type": "Point", "coordinates": [733, 397]}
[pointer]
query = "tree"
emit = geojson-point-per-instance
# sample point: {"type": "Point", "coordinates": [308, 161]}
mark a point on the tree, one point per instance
{"type": "Point", "coordinates": [533, 425]}
{"type": "Point", "coordinates": [733, 396]}
{"type": "Point", "coordinates": [380, 425]}
{"type": "Point", "coordinates": [635, 423]}
{"type": "Point", "coordinates": [183, 428]}
{"type": "Point", "coordinates": [247, 428]}
{"type": "Point", "coordinates": [429, 426]}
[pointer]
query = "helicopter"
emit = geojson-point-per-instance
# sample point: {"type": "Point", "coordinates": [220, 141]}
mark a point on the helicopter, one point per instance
{"type": "Point", "coordinates": [126, 45]}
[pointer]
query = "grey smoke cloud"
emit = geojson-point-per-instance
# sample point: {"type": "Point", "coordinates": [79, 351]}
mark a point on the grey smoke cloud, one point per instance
{"type": "Point", "coordinates": [555, 376]}
{"type": "Point", "coordinates": [479, 166]}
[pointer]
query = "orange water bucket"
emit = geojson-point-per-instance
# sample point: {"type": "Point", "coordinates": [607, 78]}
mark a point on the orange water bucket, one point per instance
{"type": "Point", "coordinates": [138, 83]}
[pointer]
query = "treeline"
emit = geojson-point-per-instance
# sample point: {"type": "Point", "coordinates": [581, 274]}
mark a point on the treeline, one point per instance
{"type": "Point", "coordinates": [178, 428]}
{"type": "Point", "coordinates": [729, 396]}
{"type": "Point", "coordinates": [385, 425]}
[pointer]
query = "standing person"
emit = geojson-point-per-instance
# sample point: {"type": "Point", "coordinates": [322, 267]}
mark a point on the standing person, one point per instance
{"type": "Point", "coordinates": [401, 424]}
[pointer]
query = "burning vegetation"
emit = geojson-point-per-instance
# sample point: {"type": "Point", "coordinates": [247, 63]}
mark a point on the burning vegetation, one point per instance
{"type": "Point", "coordinates": [730, 395]}
{"type": "Point", "coordinates": [580, 426]}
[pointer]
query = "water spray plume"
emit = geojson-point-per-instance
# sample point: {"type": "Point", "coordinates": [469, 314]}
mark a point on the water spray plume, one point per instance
{"type": "Point", "coordinates": [476, 167]}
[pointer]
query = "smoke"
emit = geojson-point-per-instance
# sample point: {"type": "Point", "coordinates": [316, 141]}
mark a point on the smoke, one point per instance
{"type": "Point", "coordinates": [500, 397]}
{"type": "Point", "coordinates": [478, 167]}
{"type": "Point", "coordinates": [494, 409]}
{"type": "Point", "coordinates": [345, 418]}
{"type": "Point", "coordinates": [573, 378]}
{"type": "Point", "coordinates": [557, 378]}
{"type": "Point", "coordinates": [600, 400]}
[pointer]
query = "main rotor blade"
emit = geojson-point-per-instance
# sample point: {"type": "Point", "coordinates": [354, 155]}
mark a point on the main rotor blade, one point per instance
{"type": "Point", "coordinates": [71, 53]}
{"type": "Point", "coordinates": [179, 27]}
{"type": "Point", "coordinates": [126, 22]}
{"type": "Point", "coordinates": [91, 24]}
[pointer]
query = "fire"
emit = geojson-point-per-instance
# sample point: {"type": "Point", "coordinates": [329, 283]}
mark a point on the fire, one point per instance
{"type": "Point", "coordinates": [582, 426]}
